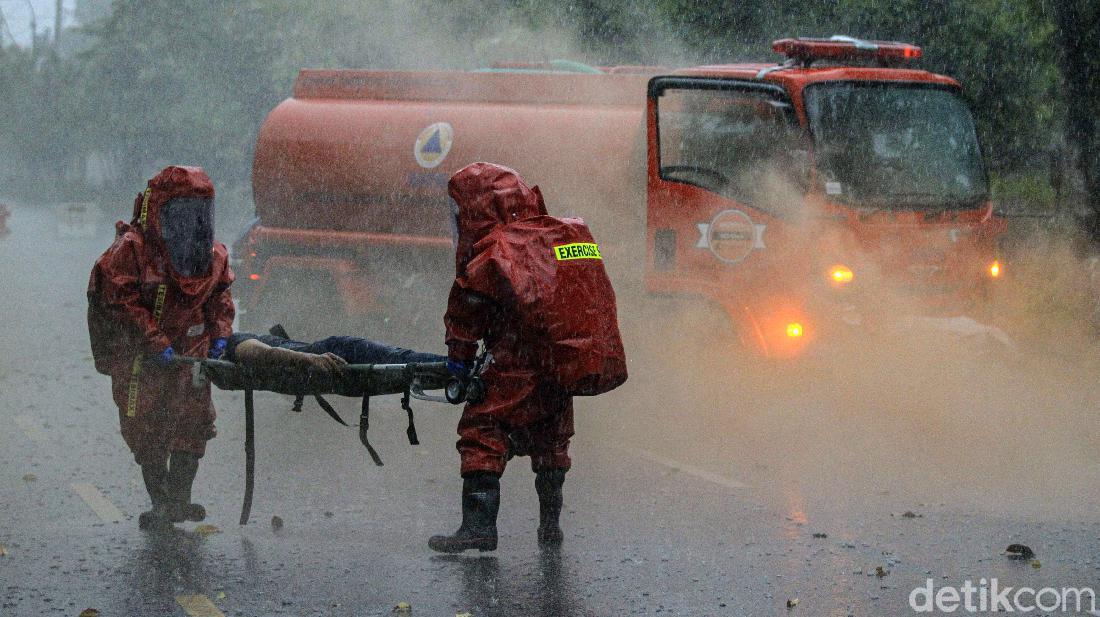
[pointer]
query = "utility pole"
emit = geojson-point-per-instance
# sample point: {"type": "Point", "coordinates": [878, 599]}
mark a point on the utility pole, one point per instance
{"type": "Point", "coordinates": [57, 26]}
{"type": "Point", "coordinates": [7, 30]}
{"type": "Point", "coordinates": [34, 29]}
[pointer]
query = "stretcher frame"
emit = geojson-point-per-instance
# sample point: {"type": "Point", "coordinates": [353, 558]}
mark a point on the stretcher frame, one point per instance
{"type": "Point", "coordinates": [354, 380]}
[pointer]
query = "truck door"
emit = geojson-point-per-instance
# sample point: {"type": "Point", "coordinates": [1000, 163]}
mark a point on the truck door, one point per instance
{"type": "Point", "coordinates": [726, 181]}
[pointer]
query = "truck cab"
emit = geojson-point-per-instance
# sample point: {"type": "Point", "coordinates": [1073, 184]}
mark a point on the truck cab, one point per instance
{"type": "Point", "coordinates": [835, 189]}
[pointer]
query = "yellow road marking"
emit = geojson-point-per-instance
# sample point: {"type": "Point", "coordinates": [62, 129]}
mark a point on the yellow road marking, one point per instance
{"type": "Point", "coordinates": [32, 428]}
{"type": "Point", "coordinates": [691, 470]}
{"type": "Point", "coordinates": [97, 501]}
{"type": "Point", "coordinates": [198, 605]}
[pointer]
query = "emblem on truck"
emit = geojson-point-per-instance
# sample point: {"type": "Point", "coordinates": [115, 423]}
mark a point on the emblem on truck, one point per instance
{"type": "Point", "coordinates": [433, 144]}
{"type": "Point", "coordinates": [731, 236]}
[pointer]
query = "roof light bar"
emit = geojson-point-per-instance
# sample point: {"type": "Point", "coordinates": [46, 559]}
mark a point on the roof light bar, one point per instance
{"type": "Point", "coordinates": [845, 48]}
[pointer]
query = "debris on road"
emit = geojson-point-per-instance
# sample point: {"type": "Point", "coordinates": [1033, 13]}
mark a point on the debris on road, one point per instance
{"type": "Point", "coordinates": [881, 571]}
{"type": "Point", "coordinates": [276, 523]}
{"type": "Point", "coordinates": [3, 551]}
{"type": "Point", "coordinates": [911, 514]}
{"type": "Point", "coordinates": [89, 612]}
{"type": "Point", "coordinates": [30, 477]}
{"type": "Point", "coordinates": [791, 603]}
{"type": "Point", "coordinates": [403, 608]}
{"type": "Point", "coordinates": [207, 530]}
{"type": "Point", "coordinates": [1019, 551]}
{"type": "Point", "coordinates": [1035, 563]}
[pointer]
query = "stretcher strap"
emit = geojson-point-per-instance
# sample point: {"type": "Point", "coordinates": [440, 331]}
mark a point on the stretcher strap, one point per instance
{"type": "Point", "coordinates": [328, 409]}
{"type": "Point", "coordinates": [364, 425]}
{"type": "Point", "coordinates": [249, 455]}
{"type": "Point", "coordinates": [135, 369]}
{"type": "Point", "coordinates": [411, 430]}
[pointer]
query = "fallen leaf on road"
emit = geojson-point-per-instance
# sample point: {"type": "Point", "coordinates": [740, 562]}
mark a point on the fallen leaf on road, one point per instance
{"type": "Point", "coordinates": [207, 530]}
{"type": "Point", "coordinates": [1019, 551]}
{"type": "Point", "coordinates": [463, 615]}
{"type": "Point", "coordinates": [3, 551]}
{"type": "Point", "coordinates": [276, 523]}
{"type": "Point", "coordinates": [1035, 563]}
{"type": "Point", "coordinates": [791, 603]}
{"type": "Point", "coordinates": [402, 607]}
{"type": "Point", "coordinates": [911, 514]}
{"type": "Point", "coordinates": [30, 477]}
{"type": "Point", "coordinates": [220, 596]}
{"type": "Point", "coordinates": [821, 535]}
{"type": "Point", "coordinates": [89, 612]}
{"type": "Point", "coordinates": [881, 571]}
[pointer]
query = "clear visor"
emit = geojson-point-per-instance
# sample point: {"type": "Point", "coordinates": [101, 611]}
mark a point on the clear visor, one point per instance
{"type": "Point", "coordinates": [187, 227]}
{"type": "Point", "coordinates": [453, 221]}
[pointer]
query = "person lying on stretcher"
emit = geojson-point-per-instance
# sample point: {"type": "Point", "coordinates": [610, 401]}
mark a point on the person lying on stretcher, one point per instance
{"type": "Point", "coordinates": [329, 354]}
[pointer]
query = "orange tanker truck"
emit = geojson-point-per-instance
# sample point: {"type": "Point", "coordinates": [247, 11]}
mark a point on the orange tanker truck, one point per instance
{"type": "Point", "coordinates": [793, 196]}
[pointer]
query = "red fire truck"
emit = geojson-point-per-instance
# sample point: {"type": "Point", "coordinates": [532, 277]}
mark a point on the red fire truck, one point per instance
{"type": "Point", "coordinates": [794, 196]}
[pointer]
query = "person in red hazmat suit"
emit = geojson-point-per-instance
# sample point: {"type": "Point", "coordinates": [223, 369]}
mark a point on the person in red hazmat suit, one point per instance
{"type": "Point", "coordinates": [534, 289]}
{"type": "Point", "coordinates": [160, 291]}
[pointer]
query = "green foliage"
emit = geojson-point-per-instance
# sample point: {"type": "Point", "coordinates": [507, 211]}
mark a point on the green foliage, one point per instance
{"type": "Point", "coordinates": [1022, 191]}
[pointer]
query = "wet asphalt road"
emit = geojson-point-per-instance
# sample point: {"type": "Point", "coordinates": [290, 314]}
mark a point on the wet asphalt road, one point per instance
{"type": "Point", "coordinates": [688, 496]}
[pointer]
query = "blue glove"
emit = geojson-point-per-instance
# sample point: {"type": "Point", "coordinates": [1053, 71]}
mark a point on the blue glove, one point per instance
{"type": "Point", "coordinates": [458, 369]}
{"type": "Point", "coordinates": [164, 358]}
{"type": "Point", "coordinates": [218, 349]}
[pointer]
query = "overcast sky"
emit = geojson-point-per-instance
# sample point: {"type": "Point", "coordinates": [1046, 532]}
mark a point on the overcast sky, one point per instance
{"type": "Point", "coordinates": [17, 14]}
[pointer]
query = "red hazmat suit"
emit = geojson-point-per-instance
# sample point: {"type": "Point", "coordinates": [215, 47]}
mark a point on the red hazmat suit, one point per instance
{"type": "Point", "coordinates": [140, 304]}
{"type": "Point", "coordinates": [534, 288]}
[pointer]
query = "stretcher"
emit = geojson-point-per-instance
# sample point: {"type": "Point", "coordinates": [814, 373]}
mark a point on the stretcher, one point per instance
{"type": "Point", "coordinates": [356, 380]}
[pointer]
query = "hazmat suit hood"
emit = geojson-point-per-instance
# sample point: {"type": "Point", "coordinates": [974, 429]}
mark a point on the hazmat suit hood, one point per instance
{"type": "Point", "coordinates": [176, 216]}
{"type": "Point", "coordinates": [488, 196]}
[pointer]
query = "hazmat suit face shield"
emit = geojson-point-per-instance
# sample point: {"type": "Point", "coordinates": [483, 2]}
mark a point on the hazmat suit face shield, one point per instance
{"type": "Point", "coordinates": [452, 220]}
{"type": "Point", "coordinates": [187, 227]}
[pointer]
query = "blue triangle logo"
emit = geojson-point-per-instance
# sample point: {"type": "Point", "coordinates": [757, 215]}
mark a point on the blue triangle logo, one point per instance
{"type": "Point", "coordinates": [433, 145]}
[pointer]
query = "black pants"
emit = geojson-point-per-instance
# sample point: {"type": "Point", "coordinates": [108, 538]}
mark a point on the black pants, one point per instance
{"type": "Point", "coordinates": [357, 350]}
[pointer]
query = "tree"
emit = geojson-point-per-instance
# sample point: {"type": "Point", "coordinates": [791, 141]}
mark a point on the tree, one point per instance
{"type": "Point", "coordinates": [1078, 38]}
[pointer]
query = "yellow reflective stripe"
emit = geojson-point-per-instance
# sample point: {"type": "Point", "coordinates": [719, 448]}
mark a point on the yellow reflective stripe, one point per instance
{"type": "Point", "coordinates": [145, 207]}
{"type": "Point", "coordinates": [135, 369]}
{"type": "Point", "coordinates": [577, 250]}
{"type": "Point", "coordinates": [158, 306]}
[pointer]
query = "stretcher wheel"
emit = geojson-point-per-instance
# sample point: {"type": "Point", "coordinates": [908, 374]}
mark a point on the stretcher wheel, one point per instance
{"type": "Point", "coordinates": [455, 392]}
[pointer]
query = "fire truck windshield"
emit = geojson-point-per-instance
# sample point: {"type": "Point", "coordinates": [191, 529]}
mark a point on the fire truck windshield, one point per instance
{"type": "Point", "coordinates": [894, 145]}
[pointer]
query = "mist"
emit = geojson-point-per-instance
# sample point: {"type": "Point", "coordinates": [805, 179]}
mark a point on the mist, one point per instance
{"type": "Point", "coordinates": [717, 479]}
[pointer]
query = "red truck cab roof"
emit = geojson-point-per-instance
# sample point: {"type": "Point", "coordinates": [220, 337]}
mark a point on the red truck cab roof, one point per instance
{"type": "Point", "coordinates": [796, 78]}
{"type": "Point", "coordinates": [849, 57]}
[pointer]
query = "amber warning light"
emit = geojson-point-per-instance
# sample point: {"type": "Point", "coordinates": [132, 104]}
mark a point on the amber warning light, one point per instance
{"type": "Point", "coordinates": [845, 48]}
{"type": "Point", "coordinates": [840, 275]}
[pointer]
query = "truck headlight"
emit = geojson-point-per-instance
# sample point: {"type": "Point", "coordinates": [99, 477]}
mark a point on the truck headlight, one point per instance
{"type": "Point", "coordinates": [840, 275]}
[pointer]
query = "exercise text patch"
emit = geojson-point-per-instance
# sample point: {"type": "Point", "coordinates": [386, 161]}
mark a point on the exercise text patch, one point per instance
{"type": "Point", "coordinates": [577, 250]}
